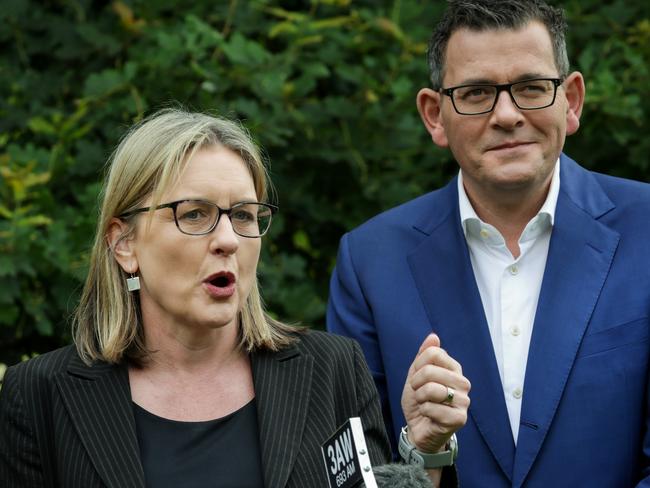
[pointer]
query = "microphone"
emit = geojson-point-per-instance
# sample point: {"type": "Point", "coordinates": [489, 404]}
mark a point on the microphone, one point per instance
{"type": "Point", "coordinates": [347, 463]}
{"type": "Point", "coordinates": [400, 476]}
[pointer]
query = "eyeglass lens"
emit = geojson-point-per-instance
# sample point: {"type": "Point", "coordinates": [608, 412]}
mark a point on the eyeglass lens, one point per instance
{"type": "Point", "coordinates": [247, 219]}
{"type": "Point", "coordinates": [526, 94]}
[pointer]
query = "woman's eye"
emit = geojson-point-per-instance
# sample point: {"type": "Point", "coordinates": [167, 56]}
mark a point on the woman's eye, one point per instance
{"type": "Point", "coordinates": [242, 216]}
{"type": "Point", "coordinates": [195, 214]}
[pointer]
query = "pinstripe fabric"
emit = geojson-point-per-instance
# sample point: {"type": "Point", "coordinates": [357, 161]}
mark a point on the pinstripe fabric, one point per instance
{"type": "Point", "coordinates": [63, 424]}
{"type": "Point", "coordinates": [304, 394]}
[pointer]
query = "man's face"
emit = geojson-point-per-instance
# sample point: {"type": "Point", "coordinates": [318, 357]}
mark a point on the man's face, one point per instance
{"type": "Point", "coordinates": [508, 148]}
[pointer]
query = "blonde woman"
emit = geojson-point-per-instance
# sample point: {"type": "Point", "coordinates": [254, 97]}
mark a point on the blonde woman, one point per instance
{"type": "Point", "coordinates": [178, 378]}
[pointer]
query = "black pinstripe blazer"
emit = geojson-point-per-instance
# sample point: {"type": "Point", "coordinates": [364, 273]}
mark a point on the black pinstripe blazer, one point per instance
{"type": "Point", "coordinates": [64, 424]}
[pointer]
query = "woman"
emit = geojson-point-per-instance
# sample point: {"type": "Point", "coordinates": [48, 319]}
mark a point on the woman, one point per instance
{"type": "Point", "coordinates": [178, 377]}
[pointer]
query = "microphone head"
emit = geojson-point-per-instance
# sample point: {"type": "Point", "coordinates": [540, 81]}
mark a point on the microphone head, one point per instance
{"type": "Point", "coordinates": [400, 476]}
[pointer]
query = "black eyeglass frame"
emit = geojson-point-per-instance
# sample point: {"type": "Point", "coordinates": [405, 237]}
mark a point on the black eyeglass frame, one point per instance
{"type": "Point", "coordinates": [227, 211]}
{"type": "Point", "coordinates": [557, 82]}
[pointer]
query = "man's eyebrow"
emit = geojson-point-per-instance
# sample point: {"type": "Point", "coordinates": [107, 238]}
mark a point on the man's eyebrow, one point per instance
{"type": "Point", "coordinates": [489, 81]}
{"type": "Point", "coordinates": [476, 81]}
{"type": "Point", "coordinates": [532, 76]}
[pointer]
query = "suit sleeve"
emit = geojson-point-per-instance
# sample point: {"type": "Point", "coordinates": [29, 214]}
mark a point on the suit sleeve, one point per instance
{"type": "Point", "coordinates": [644, 482]}
{"type": "Point", "coordinates": [20, 463]}
{"type": "Point", "coordinates": [349, 314]}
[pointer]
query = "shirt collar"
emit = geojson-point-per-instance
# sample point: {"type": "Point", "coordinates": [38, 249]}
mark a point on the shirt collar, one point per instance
{"type": "Point", "coordinates": [472, 224]}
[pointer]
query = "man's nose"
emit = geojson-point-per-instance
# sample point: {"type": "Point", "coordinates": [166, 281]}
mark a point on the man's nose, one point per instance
{"type": "Point", "coordinates": [506, 113]}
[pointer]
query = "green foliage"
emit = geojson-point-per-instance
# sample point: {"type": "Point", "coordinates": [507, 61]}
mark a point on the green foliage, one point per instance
{"type": "Point", "coordinates": [611, 47]}
{"type": "Point", "coordinates": [327, 87]}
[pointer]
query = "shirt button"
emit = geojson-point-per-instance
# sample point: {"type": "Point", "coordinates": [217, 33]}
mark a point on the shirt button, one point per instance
{"type": "Point", "coordinates": [514, 269]}
{"type": "Point", "coordinates": [517, 393]}
{"type": "Point", "coordinates": [515, 331]}
{"type": "Point", "coordinates": [484, 233]}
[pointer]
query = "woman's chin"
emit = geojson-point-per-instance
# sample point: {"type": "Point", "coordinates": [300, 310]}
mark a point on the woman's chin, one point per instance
{"type": "Point", "coordinates": [221, 322]}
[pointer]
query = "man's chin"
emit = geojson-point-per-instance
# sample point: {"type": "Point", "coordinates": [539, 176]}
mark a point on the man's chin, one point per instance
{"type": "Point", "coordinates": [518, 174]}
{"type": "Point", "coordinates": [515, 181]}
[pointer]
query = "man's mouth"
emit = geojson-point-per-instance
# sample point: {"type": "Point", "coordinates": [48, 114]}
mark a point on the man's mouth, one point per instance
{"type": "Point", "coordinates": [508, 145]}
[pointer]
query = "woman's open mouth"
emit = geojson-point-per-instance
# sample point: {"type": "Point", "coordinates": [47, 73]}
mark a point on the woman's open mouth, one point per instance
{"type": "Point", "coordinates": [220, 285]}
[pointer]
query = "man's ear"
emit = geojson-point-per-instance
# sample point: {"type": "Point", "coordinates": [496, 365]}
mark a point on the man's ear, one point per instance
{"type": "Point", "coordinates": [428, 102]}
{"type": "Point", "coordinates": [574, 89]}
{"type": "Point", "coordinates": [122, 245]}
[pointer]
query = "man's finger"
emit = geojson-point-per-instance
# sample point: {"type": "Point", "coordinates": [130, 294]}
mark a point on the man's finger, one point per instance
{"type": "Point", "coordinates": [436, 356]}
{"type": "Point", "coordinates": [432, 340]}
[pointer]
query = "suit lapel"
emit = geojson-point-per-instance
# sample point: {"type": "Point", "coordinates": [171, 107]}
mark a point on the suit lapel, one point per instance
{"type": "Point", "coordinates": [580, 255]}
{"type": "Point", "coordinates": [282, 390]}
{"type": "Point", "coordinates": [98, 400]}
{"type": "Point", "coordinates": [443, 275]}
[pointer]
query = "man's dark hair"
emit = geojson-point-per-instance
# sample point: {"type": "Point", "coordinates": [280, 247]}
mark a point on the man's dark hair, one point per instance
{"type": "Point", "coordinates": [481, 15]}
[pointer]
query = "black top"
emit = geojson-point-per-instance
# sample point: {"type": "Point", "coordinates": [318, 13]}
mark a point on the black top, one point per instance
{"type": "Point", "coordinates": [224, 452]}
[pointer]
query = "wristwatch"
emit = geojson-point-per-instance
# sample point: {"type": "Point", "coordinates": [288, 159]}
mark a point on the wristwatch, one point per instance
{"type": "Point", "coordinates": [411, 455]}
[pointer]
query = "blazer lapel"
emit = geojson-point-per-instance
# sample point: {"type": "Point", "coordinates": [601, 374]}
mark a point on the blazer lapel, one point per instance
{"type": "Point", "coordinates": [443, 274]}
{"type": "Point", "coordinates": [282, 390]}
{"type": "Point", "coordinates": [579, 258]}
{"type": "Point", "coordinates": [98, 400]}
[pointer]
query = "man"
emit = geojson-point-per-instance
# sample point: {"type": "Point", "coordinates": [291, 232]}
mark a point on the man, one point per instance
{"type": "Point", "coordinates": [533, 272]}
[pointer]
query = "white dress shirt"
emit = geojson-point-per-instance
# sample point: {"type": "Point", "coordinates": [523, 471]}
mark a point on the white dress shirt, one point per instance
{"type": "Point", "coordinates": [510, 287]}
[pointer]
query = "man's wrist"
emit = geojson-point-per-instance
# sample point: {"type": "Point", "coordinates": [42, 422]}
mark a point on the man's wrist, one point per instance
{"type": "Point", "coordinates": [411, 455]}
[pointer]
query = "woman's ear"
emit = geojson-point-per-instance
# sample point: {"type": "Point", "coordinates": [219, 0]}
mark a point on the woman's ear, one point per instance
{"type": "Point", "coordinates": [122, 245]}
{"type": "Point", "coordinates": [428, 102]}
{"type": "Point", "coordinates": [574, 88]}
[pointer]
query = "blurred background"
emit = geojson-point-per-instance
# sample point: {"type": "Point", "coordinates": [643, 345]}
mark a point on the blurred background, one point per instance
{"type": "Point", "coordinates": [327, 87]}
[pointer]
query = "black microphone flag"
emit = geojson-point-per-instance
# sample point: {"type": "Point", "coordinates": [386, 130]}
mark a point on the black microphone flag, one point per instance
{"type": "Point", "coordinates": [346, 457]}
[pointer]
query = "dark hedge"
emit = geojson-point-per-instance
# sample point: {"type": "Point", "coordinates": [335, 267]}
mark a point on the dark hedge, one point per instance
{"type": "Point", "coordinates": [326, 87]}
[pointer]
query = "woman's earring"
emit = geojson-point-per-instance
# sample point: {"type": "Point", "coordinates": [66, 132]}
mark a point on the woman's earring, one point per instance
{"type": "Point", "coordinates": [133, 283]}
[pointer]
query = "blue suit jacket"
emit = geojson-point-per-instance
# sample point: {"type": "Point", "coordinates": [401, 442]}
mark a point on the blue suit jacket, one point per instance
{"type": "Point", "coordinates": [585, 410]}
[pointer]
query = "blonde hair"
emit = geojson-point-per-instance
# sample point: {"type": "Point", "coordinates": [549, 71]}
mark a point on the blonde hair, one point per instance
{"type": "Point", "coordinates": [148, 161]}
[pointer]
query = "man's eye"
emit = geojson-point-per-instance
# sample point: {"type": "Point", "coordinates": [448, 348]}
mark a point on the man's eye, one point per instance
{"type": "Point", "coordinates": [474, 93]}
{"type": "Point", "coordinates": [532, 88]}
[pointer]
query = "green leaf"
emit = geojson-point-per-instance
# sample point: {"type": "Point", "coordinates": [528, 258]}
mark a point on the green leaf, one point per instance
{"type": "Point", "coordinates": [104, 83]}
{"type": "Point", "coordinates": [244, 51]}
{"type": "Point", "coordinates": [9, 314]}
{"type": "Point", "coordinates": [7, 266]}
{"type": "Point", "coordinates": [41, 126]}
{"type": "Point", "coordinates": [5, 212]}
{"type": "Point", "coordinates": [44, 326]}
{"type": "Point", "coordinates": [301, 240]}
{"type": "Point", "coordinates": [34, 221]}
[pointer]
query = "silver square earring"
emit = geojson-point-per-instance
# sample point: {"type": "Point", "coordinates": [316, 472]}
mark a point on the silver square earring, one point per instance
{"type": "Point", "coordinates": [133, 283]}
